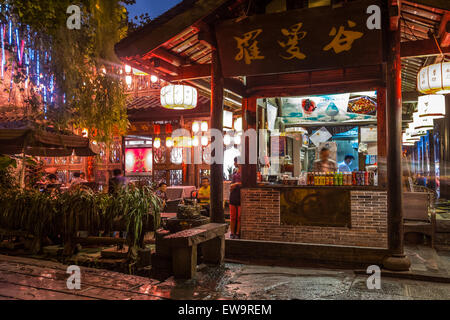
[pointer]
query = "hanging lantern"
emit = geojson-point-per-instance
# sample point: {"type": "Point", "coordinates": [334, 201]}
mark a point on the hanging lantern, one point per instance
{"type": "Point", "coordinates": [127, 69]}
{"type": "Point", "coordinates": [154, 79]}
{"type": "Point", "coordinates": [195, 127]}
{"type": "Point", "coordinates": [422, 123]}
{"type": "Point", "coordinates": [156, 129]}
{"type": "Point", "coordinates": [416, 132]}
{"type": "Point", "coordinates": [409, 135]}
{"type": "Point", "coordinates": [205, 141]}
{"type": "Point", "coordinates": [169, 128]}
{"type": "Point", "coordinates": [157, 143]}
{"type": "Point", "coordinates": [432, 106]}
{"type": "Point", "coordinates": [195, 142]}
{"type": "Point", "coordinates": [169, 142]}
{"type": "Point", "coordinates": [129, 80]}
{"type": "Point", "coordinates": [434, 78]}
{"type": "Point", "coordinates": [204, 126]}
{"type": "Point", "coordinates": [178, 97]}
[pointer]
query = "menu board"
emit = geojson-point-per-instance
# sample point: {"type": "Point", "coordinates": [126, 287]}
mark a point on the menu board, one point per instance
{"type": "Point", "coordinates": [338, 108]}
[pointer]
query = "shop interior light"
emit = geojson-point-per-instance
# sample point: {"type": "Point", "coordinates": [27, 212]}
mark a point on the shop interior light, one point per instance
{"type": "Point", "coordinates": [195, 127]}
{"type": "Point", "coordinates": [157, 143]}
{"type": "Point", "coordinates": [169, 142]}
{"type": "Point", "coordinates": [178, 97]}
{"type": "Point", "coordinates": [204, 126]}
{"type": "Point", "coordinates": [195, 142]}
{"type": "Point", "coordinates": [205, 141]}
{"type": "Point", "coordinates": [127, 69]}
{"type": "Point", "coordinates": [432, 106]}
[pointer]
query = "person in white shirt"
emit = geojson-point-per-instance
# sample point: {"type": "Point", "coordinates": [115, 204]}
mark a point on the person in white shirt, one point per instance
{"type": "Point", "coordinates": [344, 166]}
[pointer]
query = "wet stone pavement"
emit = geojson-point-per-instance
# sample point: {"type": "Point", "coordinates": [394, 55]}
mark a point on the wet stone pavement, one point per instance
{"type": "Point", "coordinates": [30, 279]}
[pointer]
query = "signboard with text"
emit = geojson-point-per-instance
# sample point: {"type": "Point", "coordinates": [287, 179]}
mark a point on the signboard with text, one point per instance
{"type": "Point", "coordinates": [302, 40]}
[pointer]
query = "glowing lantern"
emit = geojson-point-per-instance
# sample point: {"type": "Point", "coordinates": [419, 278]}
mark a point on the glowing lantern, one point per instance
{"type": "Point", "coordinates": [195, 127]}
{"type": "Point", "coordinates": [205, 141]}
{"type": "Point", "coordinates": [204, 126]}
{"type": "Point", "coordinates": [415, 132]}
{"type": "Point", "coordinates": [169, 128]}
{"type": "Point", "coordinates": [195, 142]}
{"type": "Point", "coordinates": [156, 129]}
{"type": "Point", "coordinates": [169, 142]}
{"type": "Point", "coordinates": [127, 69]}
{"type": "Point", "coordinates": [157, 143]}
{"type": "Point", "coordinates": [85, 133]}
{"type": "Point", "coordinates": [154, 79]}
{"type": "Point", "coordinates": [432, 106]}
{"type": "Point", "coordinates": [422, 123]}
{"type": "Point", "coordinates": [129, 80]}
{"type": "Point", "coordinates": [178, 97]}
{"type": "Point", "coordinates": [434, 78]}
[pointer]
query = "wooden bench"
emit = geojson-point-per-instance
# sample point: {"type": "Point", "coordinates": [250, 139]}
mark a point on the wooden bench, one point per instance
{"type": "Point", "coordinates": [415, 215]}
{"type": "Point", "coordinates": [183, 248]}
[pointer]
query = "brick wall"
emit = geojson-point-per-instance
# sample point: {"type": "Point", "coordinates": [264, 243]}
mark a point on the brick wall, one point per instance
{"type": "Point", "coordinates": [260, 220]}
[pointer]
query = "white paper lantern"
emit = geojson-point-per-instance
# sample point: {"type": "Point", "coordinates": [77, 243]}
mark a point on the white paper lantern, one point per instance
{"type": "Point", "coordinates": [195, 127]}
{"type": "Point", "coordinates": [422, 123]}
{"type": "Point", "coordinates": [204, 126]}
{"type": "Point", "coordinates": [157, 143]}
{"type": "Point", "coordinates": [178, 97]}
{"type": "Point", "coordinates": [434, 78]}
{"type": "Point", "coordinates": [432, 106]}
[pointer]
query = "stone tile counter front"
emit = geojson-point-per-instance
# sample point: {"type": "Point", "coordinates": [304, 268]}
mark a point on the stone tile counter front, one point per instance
{"type": "Point", "coordinates": [262, 219]}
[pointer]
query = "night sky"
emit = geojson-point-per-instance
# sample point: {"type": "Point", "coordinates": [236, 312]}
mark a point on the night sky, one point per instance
{"type": "Point", "coordinates": [153, 7]}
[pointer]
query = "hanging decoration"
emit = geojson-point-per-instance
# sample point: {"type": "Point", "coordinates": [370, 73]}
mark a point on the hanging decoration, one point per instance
{"type": "Point", "coordinates": [169, 128]}
{"type": "Point", "coordinates": [432, 106]}
{"type": "Point", "coordinates": [422, 123]}
{"type": "Point", "coordinates": [156, 129]}
{"type": "Point", "coordinates": [434, 78]}
{"type": "Point", "coordinates": [179, 97]}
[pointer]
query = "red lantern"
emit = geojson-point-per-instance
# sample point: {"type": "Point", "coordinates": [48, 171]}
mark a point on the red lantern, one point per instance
{"type": "Point", "coordinates": [169, 128]}
{"type": "Point", "coordinates": [156, 129]}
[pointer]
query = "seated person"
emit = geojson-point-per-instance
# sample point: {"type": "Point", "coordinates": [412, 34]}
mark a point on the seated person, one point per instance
{"type": "Point", "coordinates": [204, 194]}
{"type": "Point", "coordinates": [77, 180]}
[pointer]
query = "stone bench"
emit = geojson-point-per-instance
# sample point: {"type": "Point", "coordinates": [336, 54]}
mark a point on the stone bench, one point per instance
{"type": "Point", "coordinates": [183, 248]}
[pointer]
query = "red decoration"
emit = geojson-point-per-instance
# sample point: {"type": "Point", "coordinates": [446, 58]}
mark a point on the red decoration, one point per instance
{"type": "Point", "coordinates": [156, 129]}
{"type": "Point", "coordinates": [169, 128]}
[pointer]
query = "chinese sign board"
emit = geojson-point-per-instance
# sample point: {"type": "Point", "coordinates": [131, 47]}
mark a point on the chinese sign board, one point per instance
{"type": "Point", "coordinates": [300, 40]}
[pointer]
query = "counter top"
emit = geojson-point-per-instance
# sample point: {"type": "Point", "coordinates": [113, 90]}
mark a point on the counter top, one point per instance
{"type": "Point", "coordinates": [283, 186]}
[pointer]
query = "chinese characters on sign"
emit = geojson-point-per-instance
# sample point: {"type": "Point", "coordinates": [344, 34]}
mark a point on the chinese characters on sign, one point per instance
{"type": "Point", "coordinates": [299, 40]}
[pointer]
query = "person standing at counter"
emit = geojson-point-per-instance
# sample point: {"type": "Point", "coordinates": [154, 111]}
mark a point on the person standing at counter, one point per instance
{"type": "Point", "coordinates": [235, 201]}
{"type": "Point", "coordinates": [344, 166]}
{"type": "Point", "coordinates": [325, 164]}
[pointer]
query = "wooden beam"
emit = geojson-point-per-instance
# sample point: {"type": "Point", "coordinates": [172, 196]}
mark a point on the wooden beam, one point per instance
{"type": "Point", "coordinates": [235, 86]}
{"type": "Point", "coordinates": [196, 71]}
{"type": "Point", "coordinates": [421, 48]}
{"type": "Point", "coordinates": [164, 66]}
{"type": "Point", "coordinates": [444, 30]}
{"type": "Point", "coordinates": [439, 4]}
{"type": "Point", "coordinates": [167, 56]}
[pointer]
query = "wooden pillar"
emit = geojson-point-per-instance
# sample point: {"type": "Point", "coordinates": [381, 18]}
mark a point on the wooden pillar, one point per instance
{"type": "Point", "coordinates": [397, 260]}
{"type": "Point", "coordinates": [217, 84]}
{"type": "Point", "coordinates": [248, 122]}
{"type": "Point", "coordinates": [444, 160]}
{"type": "Point", "coordinates": [382, 134]}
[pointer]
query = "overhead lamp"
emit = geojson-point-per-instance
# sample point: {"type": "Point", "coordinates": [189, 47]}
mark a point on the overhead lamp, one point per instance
{"type": "Point", "coordinates": [157, 143]}
{"type": "Point", "coordinates": [195, 127]}
{"type": "Point", "coordinates": [169, 142]}
{"type": "Point", "coordinates": [204, 126]}
{"type": "Point", "coordinates": [195, 142]}
{"type": "Point", "coordinates": [432, 106]}
{"type": "Point", "coordinates": [422, 123]}
{"type": "Point", "coordinates": [434, 78]}
{"type": "Point", "coordinates": [205, 141]}
{"type": "Point", "coordinates": [178, 97]}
